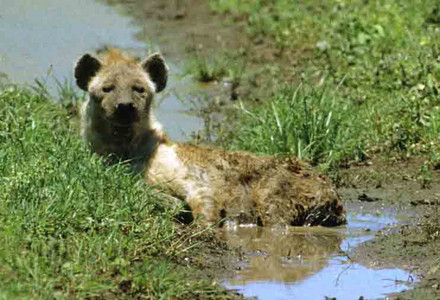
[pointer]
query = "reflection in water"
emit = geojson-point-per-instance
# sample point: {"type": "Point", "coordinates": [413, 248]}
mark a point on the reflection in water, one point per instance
{"type": "Point", "coordinates": [285, 255]}
{"type": "Point", "coordinates": [309, 263]}
{"type": "Point", "coordinates": [339, 280]}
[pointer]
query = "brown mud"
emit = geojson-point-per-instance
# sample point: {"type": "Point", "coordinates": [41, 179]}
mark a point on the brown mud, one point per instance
{"type": "Point", "coordinates": [181, 27]}
{"type": "Point", "coordinates": [185, 29]}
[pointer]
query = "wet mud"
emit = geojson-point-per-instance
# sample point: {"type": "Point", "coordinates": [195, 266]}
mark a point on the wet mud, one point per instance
{"type": "Point", "coordinates": [180, 27]}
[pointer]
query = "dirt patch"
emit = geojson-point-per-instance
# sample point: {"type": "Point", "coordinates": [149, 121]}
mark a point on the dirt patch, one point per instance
{"type": "Point", "coordinates": [215, 257]}
{"type": "Point", "coordinates": [181, 27]}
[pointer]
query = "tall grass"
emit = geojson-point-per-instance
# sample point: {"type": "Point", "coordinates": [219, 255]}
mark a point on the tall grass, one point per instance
{"type": "Point", "coordinates": [70, 226]}
{"type": "Point", "coordinates": [310, 123]}
{"type": "Point", "coordinates": [227, 66]}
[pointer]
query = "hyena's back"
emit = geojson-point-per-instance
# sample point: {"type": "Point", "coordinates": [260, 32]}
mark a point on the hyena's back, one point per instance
{"type": "Point", "coordinates": [265, 190]}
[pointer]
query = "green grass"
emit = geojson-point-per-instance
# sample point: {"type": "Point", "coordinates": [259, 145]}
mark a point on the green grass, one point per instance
{"type": "Point", "coordinates": [206, 69]}
{"type": "Point", "coordinates": [72, 226]}
{"type": "Point", "coordinates": [225, 65]}
{"type": "Point", "coordinates": [367, 84]}
{"type": "Point", "coordinates": [296, 120]}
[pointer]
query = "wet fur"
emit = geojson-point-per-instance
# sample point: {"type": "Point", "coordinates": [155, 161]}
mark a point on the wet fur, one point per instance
{"type": "Point", "coordinates": [213, 182]}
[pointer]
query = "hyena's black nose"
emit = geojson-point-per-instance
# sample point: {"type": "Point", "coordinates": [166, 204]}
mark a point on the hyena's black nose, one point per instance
{"type": "Point", "coordinates": [125, 108]}
{"type": "Point", "coordinates": [126, 113]}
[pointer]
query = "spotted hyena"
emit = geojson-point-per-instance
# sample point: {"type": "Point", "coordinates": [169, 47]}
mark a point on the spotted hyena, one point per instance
{"type": "Point", "coordinates": [117, 121]}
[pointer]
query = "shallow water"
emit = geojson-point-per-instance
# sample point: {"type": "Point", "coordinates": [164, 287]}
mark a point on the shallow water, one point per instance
{"type": "Point", "coordinates": [43, 39]}
{"type": "Point", "coordinates": [312, 263]}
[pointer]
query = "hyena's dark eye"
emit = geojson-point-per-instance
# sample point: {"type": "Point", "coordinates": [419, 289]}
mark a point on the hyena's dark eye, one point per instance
{"type": "Point", "coordinates": [108, 89]}
{"type": "Point", "coordinates": [139, 89]}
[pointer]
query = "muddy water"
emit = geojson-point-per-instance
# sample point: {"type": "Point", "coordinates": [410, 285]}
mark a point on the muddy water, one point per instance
{"type": "Point", "coordinates": [313, 263]}
{"type": "Point", "coordinates": [43, 38]}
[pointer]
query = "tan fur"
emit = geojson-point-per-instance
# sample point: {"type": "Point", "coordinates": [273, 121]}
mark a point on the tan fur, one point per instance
{"type": "Point", "coordinates": [113, 56]}
{"type": "Point", "coordinates": [213, 182]}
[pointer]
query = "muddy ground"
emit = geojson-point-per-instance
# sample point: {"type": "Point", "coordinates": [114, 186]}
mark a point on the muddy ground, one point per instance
{"type": "Point", "coordinates": [185, 30]}
{"type": "Point", "coordinates": [414, 245]}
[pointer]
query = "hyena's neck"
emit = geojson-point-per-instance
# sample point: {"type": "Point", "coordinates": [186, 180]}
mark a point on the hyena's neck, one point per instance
{"type": "Point", "coordinates": [136, 143]}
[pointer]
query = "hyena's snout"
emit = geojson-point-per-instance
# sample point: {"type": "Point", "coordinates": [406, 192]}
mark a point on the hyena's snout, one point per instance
{"type": "Point", "coordinates": [126, 113]}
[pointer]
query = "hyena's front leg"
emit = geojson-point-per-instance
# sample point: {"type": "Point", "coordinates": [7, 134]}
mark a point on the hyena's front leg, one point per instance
{"type": "Point", "coordinates": [199, 194]}
{"type": "Point", "coordinates": [202, 203]}
{"type": "Point", "coordinates": [187, 181]}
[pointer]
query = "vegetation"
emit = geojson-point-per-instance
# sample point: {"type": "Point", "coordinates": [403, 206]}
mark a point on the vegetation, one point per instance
{"type": "Point", "coordinates": [213, 68]}
{"type": "Point", "coordinates": [73, 226]}
{"type": "Point", "coordinates": [368, 85]}
{"type": "Point", "coordinates": [311, 124]}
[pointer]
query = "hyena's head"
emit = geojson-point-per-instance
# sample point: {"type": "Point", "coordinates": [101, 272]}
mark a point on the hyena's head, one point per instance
{"type": "Point", "coordinates": [121, 88]}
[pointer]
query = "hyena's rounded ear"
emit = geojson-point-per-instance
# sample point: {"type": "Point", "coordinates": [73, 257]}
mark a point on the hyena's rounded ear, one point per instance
{"type": "Point", "coordinates": [157, 69]}
{"type": "Point", "coordinates": [85, 69]}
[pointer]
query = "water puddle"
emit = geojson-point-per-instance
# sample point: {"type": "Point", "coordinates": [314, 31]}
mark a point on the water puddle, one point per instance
{"type": "Point", "coordinates": [43, 39]}
{"type": "Point", "coordinates": [312, 263]}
